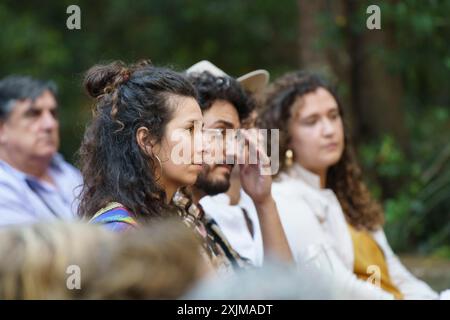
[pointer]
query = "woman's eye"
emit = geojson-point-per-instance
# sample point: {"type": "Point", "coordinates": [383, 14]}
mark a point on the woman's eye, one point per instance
{"type": "Point", "coordinates": [334, 116]}
{"type": "Point", "coordinates": [309, 122]}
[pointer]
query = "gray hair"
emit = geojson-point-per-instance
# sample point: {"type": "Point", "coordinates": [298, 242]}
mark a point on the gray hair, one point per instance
{"type": "Point", "coordinates": [15, 88]}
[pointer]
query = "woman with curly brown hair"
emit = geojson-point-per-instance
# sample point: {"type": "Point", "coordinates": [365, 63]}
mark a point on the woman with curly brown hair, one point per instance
{"type": "Point", "coordinates": [128, 157]}
{"type": "Point", "coordinates": [324, 205]}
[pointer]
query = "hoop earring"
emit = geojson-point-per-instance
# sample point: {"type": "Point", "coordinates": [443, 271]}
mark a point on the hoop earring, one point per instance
{"type": "Point", "coordinates": [160, 167]}
{"type": "Point", "coordinates": [289, 157]}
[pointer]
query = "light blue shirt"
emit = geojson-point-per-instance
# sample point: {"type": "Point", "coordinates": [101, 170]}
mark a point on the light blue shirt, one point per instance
{"type": "Point", "coordinates": [24, 199]}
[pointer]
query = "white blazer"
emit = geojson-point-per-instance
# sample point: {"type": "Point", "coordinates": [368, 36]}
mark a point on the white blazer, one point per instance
{"type": "Point", "coordinates": [315, 227]}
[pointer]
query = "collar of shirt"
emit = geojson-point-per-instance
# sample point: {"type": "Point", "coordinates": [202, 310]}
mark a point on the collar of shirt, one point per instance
{"type": "Point", "coordinates": [54, 169]}
{"type": "Point", "coordinates": [321, 200]}
{"type": "Point", "coordinates": [298, 172]}
{"type": "Point", "coordinates": [55, 165]}
{"type": "Point", "coordinates": [62, 194]}
{"type": "Point", "coordinates": [222, 198]}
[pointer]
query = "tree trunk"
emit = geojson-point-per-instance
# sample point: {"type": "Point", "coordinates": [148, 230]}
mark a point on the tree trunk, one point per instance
{"type": "Point", "coordinates": [310, 32]}
{"type": "Point", "coordinates": [376, 91]}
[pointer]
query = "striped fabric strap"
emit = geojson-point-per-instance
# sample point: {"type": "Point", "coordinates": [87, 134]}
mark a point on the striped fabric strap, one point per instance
{"type": "Point", "coordinates": [114, 212]}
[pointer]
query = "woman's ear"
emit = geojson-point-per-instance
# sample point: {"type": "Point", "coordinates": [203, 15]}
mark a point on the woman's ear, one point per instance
{"type": "Point", "coordinates": [143, 140]}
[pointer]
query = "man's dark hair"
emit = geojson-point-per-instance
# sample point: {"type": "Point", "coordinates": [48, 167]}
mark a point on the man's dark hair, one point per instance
{"type": "Point", "coordinates": [211, 88]}
{"type": "Point", "coordinates": [15, 88]}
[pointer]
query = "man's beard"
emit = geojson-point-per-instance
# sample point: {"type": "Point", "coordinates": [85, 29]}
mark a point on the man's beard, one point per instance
{"type": "Point", "coordinates": [209, 186]}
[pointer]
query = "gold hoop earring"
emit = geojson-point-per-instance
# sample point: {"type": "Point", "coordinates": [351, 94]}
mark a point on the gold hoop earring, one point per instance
{"type": "Point", "coordinates": [160, 167]}
{"type": "Point", "coordinates": [289, 157]}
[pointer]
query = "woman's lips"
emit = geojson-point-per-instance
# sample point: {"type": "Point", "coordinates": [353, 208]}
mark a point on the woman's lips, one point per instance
{"type": "Point", "coordinates": [331, 146]}
{"type": "Point", "coordinates": [226, 167]}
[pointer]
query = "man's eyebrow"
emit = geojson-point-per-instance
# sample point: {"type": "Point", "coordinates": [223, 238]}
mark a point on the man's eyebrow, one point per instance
{"type": "Point", "coordinates": [33, 107]}
{"type": "Point", "coordinates": [225, 123]}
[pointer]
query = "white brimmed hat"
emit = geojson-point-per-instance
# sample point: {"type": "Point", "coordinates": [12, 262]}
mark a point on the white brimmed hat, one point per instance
{"type": "Point", "coordinates": [253, 82]}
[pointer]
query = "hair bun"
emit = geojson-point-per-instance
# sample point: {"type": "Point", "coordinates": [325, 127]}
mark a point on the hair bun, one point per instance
{"type": "Point", "coordinates": [101, 76]}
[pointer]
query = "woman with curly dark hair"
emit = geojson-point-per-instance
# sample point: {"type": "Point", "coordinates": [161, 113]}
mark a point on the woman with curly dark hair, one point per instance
{"type": "Point", "coordinates": [323, 202]}
{"type": "Point", "coordinates": [126, 152]}
{"type": "Point", "coordinates": [130, 156]}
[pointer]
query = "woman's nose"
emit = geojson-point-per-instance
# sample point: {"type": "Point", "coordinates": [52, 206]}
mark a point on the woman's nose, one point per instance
{"type": "Point", "coordinates": [328, 127]}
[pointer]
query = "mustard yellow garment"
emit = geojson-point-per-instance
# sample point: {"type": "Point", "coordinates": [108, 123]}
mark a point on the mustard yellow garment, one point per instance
{"type": "Point", "coordinates": [368, 253]}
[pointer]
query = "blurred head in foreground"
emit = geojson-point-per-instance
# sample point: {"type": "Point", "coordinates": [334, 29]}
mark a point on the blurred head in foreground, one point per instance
{"type": "Point", "coordinates": [80, 261]}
